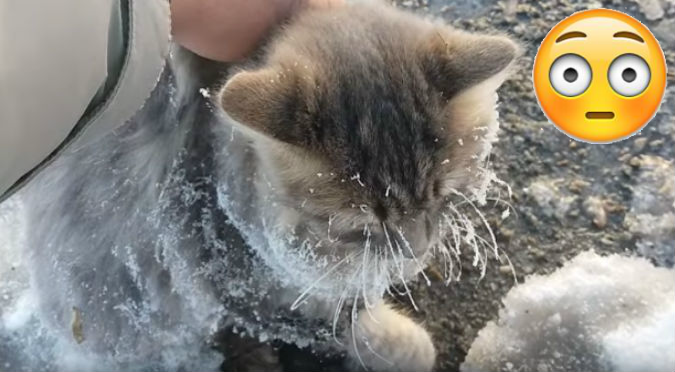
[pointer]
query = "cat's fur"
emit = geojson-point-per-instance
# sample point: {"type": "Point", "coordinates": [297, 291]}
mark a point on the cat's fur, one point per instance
{"type": "Point", "coordinates": [290, 221]}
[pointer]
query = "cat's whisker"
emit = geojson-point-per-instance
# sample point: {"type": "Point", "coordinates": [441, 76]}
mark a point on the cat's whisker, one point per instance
{"type": "Point", "coordinates": [452, 223]}
{"type": "Point", "coordinates": [459, 270]}
{"type": "Point", "coordinates": [409, 293]}
{"type": "Point", "coordinates": [300, 300]}
{"type": "Point", "coordinates": [470, 231]}
{"type": "Point", "coordinates": [354, 318]}
{"type": "Point", "coordinates": [387, 272]}
{"type": "Point", "coordinates": [447, 260]}
{"type": "Point", "coordinates": [513, 270]}
{"type": "Point", "coordinates": [412, 253]}
{"type": "Point", "coordinates": [399, 263]}
{"type": "Point", "coordinates": [370, 348]}
{"type": "Point", "coordinates": [500, 182]}
{"type": "Point", "coordinates": [464, 224]}
{"type": "Point", "coordinates": [336, 315]}
{"type": "Point", "coordinates": [482, 218]}
{"type": "Point", "coordinates": [330, 224]}
{"type": "Point", "coordinates": [451, 257]}
{"type": "Point", "coordinates": [364, 280]}
{"type": "Point", "coordinates": [469, 236]}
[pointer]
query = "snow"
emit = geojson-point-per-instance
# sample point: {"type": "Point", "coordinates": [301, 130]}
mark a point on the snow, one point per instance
{"type": "Point", "coordinates": [611, 313]}
{"type": "Point", "coordinates": [26, 344]}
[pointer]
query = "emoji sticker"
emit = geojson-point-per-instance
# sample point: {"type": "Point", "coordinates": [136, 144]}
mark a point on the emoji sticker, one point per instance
{"type": "Point", "coordinates": [599, 76]}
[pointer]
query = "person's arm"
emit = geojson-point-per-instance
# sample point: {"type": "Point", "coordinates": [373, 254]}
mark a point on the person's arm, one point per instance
{"type": "Point", "coordinates": [228, 30]}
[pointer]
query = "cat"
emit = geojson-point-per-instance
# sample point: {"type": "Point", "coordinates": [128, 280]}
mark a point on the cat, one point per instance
{"type": "Point", "coordinates": [280, 198]}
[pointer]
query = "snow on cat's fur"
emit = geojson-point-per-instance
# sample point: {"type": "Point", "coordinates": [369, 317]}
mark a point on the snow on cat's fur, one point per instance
{"type": "Point", "coordinates": [355, 128]}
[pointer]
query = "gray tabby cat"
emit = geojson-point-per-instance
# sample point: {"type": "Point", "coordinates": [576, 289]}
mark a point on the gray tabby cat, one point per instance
{"type": "Point", "coordinates": [289, 217]}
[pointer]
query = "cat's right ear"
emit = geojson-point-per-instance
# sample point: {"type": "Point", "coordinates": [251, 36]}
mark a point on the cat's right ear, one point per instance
{"type": "Point", "coordinates": [454, 60]}
{"type": "Point", "coordinates": [261, 100]}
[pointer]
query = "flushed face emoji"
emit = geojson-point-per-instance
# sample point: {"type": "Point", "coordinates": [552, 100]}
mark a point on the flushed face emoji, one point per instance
{"type": "Point", "coordinates": [600, 75]}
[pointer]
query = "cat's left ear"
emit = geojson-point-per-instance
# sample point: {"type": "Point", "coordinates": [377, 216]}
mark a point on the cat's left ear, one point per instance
{"type": "Point", "coordinates": [453, 60]}
{"type": "Point", "coordinates": [261, 100]}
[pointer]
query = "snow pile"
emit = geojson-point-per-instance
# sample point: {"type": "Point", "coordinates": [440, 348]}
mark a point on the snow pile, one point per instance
{"type": "Point", "coordinates": [595, 314]}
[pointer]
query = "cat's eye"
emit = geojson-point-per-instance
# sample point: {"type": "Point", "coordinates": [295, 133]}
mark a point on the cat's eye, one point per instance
{"type": "Point", "coordinates": [629, 75]}
{"type": "Point", "coordinates": [570, 75]}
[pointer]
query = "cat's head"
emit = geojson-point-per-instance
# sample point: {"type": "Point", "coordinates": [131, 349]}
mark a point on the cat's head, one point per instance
{"type": "Point", "coordinates": [366, 119]}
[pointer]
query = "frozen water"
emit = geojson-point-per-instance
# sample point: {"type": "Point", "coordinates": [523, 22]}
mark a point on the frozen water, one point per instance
{"type": "Point", "coordinates": [596, 313]}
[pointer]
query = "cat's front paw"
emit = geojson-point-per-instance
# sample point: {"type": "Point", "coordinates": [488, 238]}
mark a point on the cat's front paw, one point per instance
{"type": "Point", "coordinates": [386, 340]}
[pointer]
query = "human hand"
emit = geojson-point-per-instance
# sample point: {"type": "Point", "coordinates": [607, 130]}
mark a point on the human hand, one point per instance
{"type": "Point", "coordinates": [228, 30]}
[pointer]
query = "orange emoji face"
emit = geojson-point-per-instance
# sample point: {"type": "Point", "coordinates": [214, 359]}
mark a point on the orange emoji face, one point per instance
{"type": "Point", "coordinates": [599, 76]}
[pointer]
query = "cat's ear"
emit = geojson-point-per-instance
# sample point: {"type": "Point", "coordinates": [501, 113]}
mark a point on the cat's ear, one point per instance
{"type": "Point", "coordinates": [260, 100]}
{"type": "Point", "coordinates": [453, 60]}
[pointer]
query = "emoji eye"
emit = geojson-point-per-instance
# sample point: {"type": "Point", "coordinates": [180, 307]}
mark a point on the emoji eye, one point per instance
{"type": "Point", "coordinates": [570, 75]}
{"type": "Point", "coordinates": [629, 75]}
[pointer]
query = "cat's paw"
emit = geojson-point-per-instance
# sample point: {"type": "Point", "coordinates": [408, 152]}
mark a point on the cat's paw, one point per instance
{"type": "Point", "coordinates": [386, 340]}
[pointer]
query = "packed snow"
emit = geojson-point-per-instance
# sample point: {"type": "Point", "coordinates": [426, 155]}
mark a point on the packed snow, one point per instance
{"type": "Point", "coordinates": [596, 313]}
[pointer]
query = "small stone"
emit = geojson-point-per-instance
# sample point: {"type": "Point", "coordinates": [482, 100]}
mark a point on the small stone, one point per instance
{"type": "Point", "coordinates": [506, 233]}
{"type": "Point", "coordinates": [505, 269]}
{"type": "Point", "coordinates": [595, 207]}
{"type": "Point", "coordinates": [538, 253]}
{"type": "Point", "coordinates": [656, 143]}
{"type": "Point", "coordinates": [578, 185]}
{"type": "Point", "coordinates": [635, 162]}
{"type": "Point", "coordinates": [639, 144]}
{"type": "Point", "coordinates": [624, 158]}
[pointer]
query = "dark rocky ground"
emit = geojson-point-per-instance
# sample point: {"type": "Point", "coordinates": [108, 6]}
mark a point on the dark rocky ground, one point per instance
{"type": "Point", "coordinates": [568, 196]}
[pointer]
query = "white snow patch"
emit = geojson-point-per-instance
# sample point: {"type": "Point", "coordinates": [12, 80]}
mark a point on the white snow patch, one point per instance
{"type": "Point", "coordinates": [610, 313]}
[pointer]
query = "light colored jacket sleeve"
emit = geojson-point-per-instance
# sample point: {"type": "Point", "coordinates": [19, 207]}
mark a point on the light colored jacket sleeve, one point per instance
{"type": "Point", "coordinates": [70, 72]}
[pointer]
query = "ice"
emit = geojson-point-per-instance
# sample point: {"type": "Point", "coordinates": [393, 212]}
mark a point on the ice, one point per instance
{"type": "Point", "coordinates": [596, 313]}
